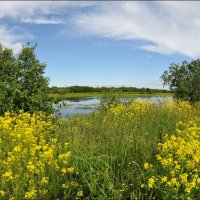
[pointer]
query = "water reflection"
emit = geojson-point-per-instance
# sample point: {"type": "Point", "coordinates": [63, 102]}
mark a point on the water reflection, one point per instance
{"type": "Point", "coordinates": [74, 106]}
{"type": "Point", "coordinates": [88, 105]}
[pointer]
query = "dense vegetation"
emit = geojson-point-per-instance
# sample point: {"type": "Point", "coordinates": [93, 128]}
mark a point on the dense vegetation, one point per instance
{"type": "Point", "coordinates": [22, 81]}
{"type": "Point", "coordinates": [80, 89]}
{"type": "Point", "coordinates": [134, 151]}
{"type": "Point", "coordinates": [184, 80]}
{"type": "Point", "coordinates": [33, 163]}
{"type": "Point", "coordinates": [57, 94]}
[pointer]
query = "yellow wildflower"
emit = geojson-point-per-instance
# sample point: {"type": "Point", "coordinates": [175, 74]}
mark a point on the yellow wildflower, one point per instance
{"type": "Point", "coordinates": [7, 176]}
{"type": "Point", "coordinates": [31, 194]}
{"type": "Point", "coordinates": [2, 193]}
{"type": "Point", "coordinates": [146, 165]}
{"type": "Point", "coordinates": [151, 182]}
{"type": "Point", "coordinates": [164, 179]}
{"type": "Point", "coordinates": [44, 180]}
{"type": "Point", "coordinates": [70, 169]}
{"type": "Point", "coordinates": [80, 193]}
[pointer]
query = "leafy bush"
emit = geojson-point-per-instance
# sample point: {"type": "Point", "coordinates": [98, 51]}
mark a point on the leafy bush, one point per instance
{"type": "Point", "coordinates": [184, 80]}
{"type": "Point", "coordinates": [22, 81]}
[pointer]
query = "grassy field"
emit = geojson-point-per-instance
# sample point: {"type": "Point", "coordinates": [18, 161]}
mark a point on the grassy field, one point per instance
{"type": "Point", "coordinates": [97, 94]}
{"type": "Point", "coordinates": [138, 150]}
{"type": "Point", "coordinates": [110, 149]}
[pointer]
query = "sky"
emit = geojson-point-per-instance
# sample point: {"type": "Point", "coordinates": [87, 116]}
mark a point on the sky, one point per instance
{"type": "Point", "coordinates": [104, 43]}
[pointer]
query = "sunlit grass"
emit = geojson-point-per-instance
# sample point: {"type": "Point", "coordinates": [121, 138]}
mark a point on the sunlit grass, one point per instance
{"type": "Point", "coordinates": [120, 152]}
{"type": "Point", "coordinates": [99, 94]}
{"type": "Point", "coordinates": [110, 148]}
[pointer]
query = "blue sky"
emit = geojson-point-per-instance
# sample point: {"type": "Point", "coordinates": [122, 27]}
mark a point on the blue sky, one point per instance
{"type": "Point", "coordinates": [104, 43]}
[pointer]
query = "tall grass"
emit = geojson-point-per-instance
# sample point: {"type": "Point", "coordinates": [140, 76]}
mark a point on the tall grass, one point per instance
{"type": "Point", "coordinates": [56, 97]}
{"type": "Point", "coordinates": [110, 148]}
{"type": "Point", "coordinates": [110, 154]}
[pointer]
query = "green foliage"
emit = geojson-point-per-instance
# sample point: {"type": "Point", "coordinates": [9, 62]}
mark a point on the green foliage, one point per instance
{"type": "Point", "coordinates": [8, 80]}
{"type": "Point", "coordinates": [22, 81]}
{"type": "Point", "coordinates": [57, 94]}
{"type": "Point", "coordinates": [184, 80]}
{"type": "Point", "coordinates": [84, 89]}
{"type": "Point", "coordinates": [110, 99]}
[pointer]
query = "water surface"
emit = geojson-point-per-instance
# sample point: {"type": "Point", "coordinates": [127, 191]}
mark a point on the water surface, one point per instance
{"type": "Point", "coordinates": [88, 105]}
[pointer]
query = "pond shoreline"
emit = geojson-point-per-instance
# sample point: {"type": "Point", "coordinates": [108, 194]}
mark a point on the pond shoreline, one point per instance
{"type": "Point", "coordinates": [58, 97]}
{"type": "Point", "coordinates": [87, 105]}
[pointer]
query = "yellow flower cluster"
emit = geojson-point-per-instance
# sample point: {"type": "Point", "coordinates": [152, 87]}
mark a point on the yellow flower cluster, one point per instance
{"type": "Point", "coordinates": [135, 106]}
{"type": "Point", "coordinates": [179, 156]}
{"type": "Point", "coordinates": [182, 108]}
{"type": "Point", "coordinates": [147, 165]}
{"type": "Point", "coordinates": [151, 182]}
{"type": "Point", "coordinates": [123, 114]}
{"type": "Point", "coordinates": [31, 158]}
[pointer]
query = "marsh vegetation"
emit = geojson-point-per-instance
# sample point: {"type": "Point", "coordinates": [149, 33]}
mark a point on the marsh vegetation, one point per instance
{"type": "Point", "coordinates": [123, 150]}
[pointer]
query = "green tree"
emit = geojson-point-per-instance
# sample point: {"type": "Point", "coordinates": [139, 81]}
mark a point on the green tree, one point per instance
{"type": "Point", "coordinates": [22, 81]}
{"type": "Point", "coordinates": [184, 80]}
{"type": "Point", "coordinates": [9, 89]}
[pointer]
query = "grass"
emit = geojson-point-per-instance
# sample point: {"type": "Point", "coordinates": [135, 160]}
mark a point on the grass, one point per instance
{"type": "Point", "coordinates": [110, 148]}
{"type": "Point", "coordinates": [98, 94]}
{"type": "Point", "coordinates": [99, 156]}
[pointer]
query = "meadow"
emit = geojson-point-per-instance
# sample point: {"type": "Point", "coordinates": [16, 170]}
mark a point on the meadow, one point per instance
{"type": "Point", "coordinates": [138, 150]}
{"type": "Point", "coordinates": [56, 97]}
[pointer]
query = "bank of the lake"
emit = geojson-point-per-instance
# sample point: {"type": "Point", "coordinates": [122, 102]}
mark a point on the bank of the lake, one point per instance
{"type": "Point", "coordinates": [87, 105]}
{"type": "Point", "coordinates": [58, 97]}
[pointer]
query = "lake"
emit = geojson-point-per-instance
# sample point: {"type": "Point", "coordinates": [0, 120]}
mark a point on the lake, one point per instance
{"type": "Point", "coordinates": [87, 105]}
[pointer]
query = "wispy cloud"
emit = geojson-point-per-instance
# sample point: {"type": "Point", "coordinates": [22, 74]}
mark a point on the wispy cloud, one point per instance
{"type": "Point", "coordinates": [10, 38]}
{"type": "Point", "coordinates": [21, 9]}
{"type": "Point", "coordinates": [171, 27]}
{"type": "Point", "coordinates": [42, 20]}
{"type": "Point", "coordinates": [164, 27]}
{"type": "Point", "coordinates": [34, 12]}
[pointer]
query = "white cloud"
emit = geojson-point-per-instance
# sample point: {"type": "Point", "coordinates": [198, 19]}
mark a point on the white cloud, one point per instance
{"type": "Point", "coordinates": [155, 48]}
{"type": "Point", "coordinates": [35, 12]}
{"type": "Point", "coordinates": [43, 20]}
{"type": "Point", "coordinates": [10, 39]}
{"type": "Point", "coordinates": [22, 9]}
{"type": "Point", "coordinates": [163, 26]}
{"type": "Point", "coordinates": [171, 27]}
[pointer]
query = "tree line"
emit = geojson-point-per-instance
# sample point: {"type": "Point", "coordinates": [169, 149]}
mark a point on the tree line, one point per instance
{"type": "Point", "coordinates": [83, 89]}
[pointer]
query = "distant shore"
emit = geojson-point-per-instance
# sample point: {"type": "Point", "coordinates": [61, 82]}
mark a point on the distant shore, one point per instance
{"type": "Point", "coordinates": [55, 96]}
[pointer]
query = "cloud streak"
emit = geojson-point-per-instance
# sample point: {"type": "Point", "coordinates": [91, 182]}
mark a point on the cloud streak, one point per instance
{"type": "Point", "coordinates": [10, 38]}
{"type": "Point", "coordinates": [42, 20]}
{"type": "Point", "coordinates": [20, 9]}
{"type": "Point", "coordinates": [170, 27]}
{"type": "Point", "coordinates": [32, 12]}
{"type": "Point", "coordinates": [164, 27]}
